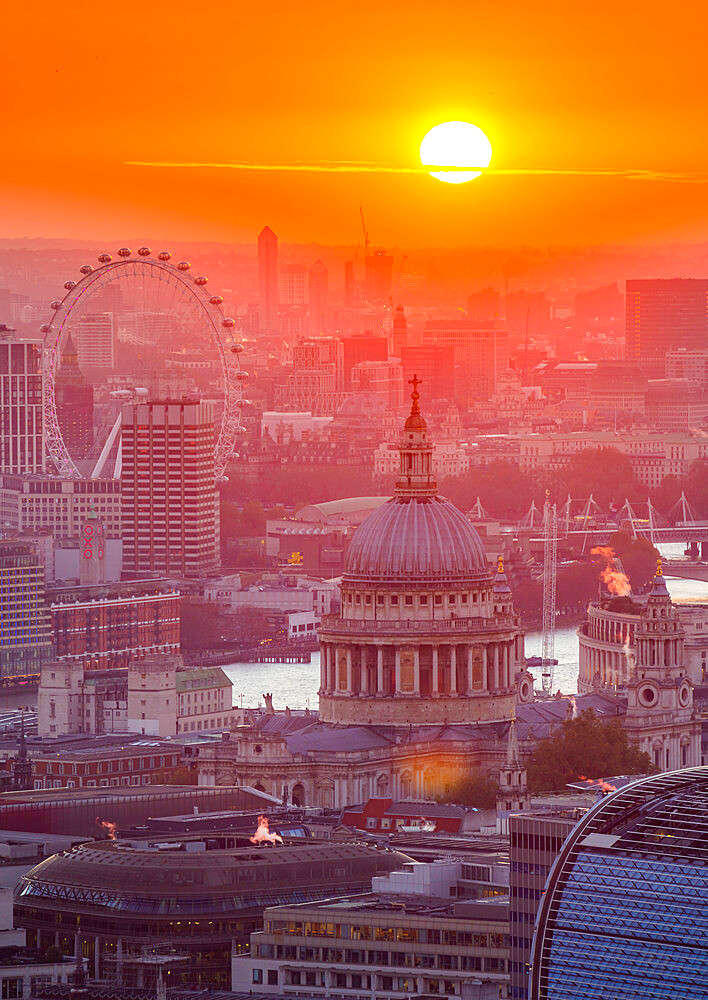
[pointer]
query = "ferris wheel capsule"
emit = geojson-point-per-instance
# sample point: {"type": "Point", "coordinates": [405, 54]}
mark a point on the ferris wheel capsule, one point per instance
{"type": "Point", "coordinates": [184, 265]}
{"type": "Point", "coordinates": [164, 255]}
{"type": "Point", "coordinates": [86, 269]}
{"type": "Point", "coordinates": [144, 251]}
{"type": "Point", "coordinates": [242, 376]}
{"type": "Point", "coordinates": [124, 252]}
{"type": "Point", "coordinates": [69, 285]}
{"type": "Point", "coordinates": [104, 258]}
{"type": "Point", "coordinates": [56, 304]}
{"type": "Point", "coordinates": [228, 321]}
{"type": "Point", "coordinates": [216, 300]}
{"type": "Point", "coordinates": [200, 279]}
{"type": "Point", "coordinates": [45, 328]}
{"type": "Point", "coordinates": [236, 348]}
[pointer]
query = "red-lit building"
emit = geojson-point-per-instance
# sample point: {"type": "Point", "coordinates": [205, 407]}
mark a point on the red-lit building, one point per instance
{"type": "Point", "coordinates": [108, 626]}
{"type": "Point", "coordinates": [387, 816]}
{"type": "Point", "coordinates": [106, 766]}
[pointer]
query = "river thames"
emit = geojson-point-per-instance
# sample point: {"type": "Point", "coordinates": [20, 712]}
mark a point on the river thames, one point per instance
{"type": "Point", "coordinates": [296, 684]}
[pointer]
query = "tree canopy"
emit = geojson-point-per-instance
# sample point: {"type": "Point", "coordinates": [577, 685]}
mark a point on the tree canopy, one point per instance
{"type": "Point", "coordinates": [584, 747]}
{"type": "Point", "coordinates": [639, 558]}
{"type": "Point", "coordinates": [478, 791]}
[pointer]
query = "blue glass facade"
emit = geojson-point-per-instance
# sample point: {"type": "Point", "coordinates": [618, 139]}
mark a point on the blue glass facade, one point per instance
{"type": "Point", "coordinates": [625, 912]}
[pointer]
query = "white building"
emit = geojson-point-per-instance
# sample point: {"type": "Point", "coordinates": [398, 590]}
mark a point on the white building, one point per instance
{"type": "Point", "coordinates": [94, 334]}
{"type": "Point", "coordinates": [449, 459]}
{"type": "Point", "coordinates": [61, 506]}
{"type": "Point", "coordinates": [306, 595]}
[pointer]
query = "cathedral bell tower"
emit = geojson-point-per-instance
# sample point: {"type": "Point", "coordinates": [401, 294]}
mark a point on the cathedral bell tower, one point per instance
{"type": "Point", "coordinates": [660, 715]}
{"type": "Point", "coordinates": [513, 794]}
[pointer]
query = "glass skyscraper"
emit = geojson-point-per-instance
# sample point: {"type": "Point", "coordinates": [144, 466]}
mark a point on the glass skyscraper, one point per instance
{"type": "Point", "coordinates": [625, 911]}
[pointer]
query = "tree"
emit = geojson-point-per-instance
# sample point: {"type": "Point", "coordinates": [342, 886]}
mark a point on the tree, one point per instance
{"type": "Point", "coordinates": [477, 790]}
{"type": "Point", "coordinates": [501, 486]}
{"type": "Point", "coordinates": [639, 558]}
{"type": "Point", "coordinates": [604, 472]}
{"type": "Point", "coordinates": [696, 487]}
{"type": "Point", "coordinates": [584, 747]}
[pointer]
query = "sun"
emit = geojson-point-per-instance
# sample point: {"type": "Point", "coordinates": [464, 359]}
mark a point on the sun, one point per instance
{"type": "Point", "coordinates": [458, 145]}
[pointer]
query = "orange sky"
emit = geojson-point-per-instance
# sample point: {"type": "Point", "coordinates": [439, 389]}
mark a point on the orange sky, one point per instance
{"type": "Point", "coordinates": [88, 86]}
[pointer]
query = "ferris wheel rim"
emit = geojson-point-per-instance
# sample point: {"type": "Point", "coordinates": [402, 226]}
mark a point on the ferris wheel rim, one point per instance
{"type": "Point", "coordinates": [221, 327]}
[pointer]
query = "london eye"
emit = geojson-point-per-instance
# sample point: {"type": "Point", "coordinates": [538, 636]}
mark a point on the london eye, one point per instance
{"type": "Point", "coordinates": [136, 326]}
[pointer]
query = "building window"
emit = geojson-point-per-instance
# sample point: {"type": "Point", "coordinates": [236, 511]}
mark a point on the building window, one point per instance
{"type": "Point", "coordinates": [258, 975]}
{"type": "Point", "coordinates": [11, 988]}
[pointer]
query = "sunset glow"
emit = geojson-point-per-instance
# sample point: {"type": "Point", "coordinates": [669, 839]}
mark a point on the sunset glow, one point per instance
{"type": "Point", "coordinates": [458, 145]}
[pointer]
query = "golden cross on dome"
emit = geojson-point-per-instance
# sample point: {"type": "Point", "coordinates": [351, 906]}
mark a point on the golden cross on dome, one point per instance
{"type": "Point", "coordinates": [415, 395]}
{"type": "Point", "coordinates": [659, 571]}
{"type": "Point", "coordinates": [500, 564]}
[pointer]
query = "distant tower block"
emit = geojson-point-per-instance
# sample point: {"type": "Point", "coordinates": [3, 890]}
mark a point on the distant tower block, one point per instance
{"type": "Point", "coordinates": [318, 296]}
{"type": "Point", "coordinates": [268, 278]}
{"type": "Point", "coordinates": [400, 332]}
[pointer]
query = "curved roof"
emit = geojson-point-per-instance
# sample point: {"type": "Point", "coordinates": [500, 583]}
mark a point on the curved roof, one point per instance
{"type": "Point", "coordinates": [121, 878]}
{"type": "Point", "coordinates": [627, 894]}
{"type": "Point", "coordinates": [416, 540]}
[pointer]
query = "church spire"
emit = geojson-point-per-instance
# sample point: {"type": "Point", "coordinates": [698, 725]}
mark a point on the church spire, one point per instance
{"type": "Point", "coordinates": [416, 480]}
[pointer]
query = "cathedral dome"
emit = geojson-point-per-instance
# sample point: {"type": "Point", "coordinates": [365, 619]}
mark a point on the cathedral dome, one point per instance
{"type": "Point", "coordinates": [416, 540]}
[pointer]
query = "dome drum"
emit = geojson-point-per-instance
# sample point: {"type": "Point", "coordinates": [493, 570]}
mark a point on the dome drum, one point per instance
{"type": "Point", "coordinates": [436, 679]}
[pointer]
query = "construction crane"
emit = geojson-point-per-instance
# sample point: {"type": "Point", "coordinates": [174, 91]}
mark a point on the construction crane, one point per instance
{"type": "Point", "coordinates": [550, 556]}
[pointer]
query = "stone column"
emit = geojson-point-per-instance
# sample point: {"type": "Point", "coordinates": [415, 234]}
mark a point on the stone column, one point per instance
{"type": "Point", "coordinates": [469, 671]}
{"type": "Point", "coordinates": [485, 670]}
{"type": "Point", "coordinates": [323, 669]}
{"type": "Point", "coordinates": [379, 670]}
{"type": "Point", "coordinates": [363, 670]}
{"type": "Point", "coordinates": [416, 671]}
{"type": "Point", "coordinates": [495, 668]}
{"type": "Point", "coordinates": [436, 678]}
{"type": "Point", "coordinates": [453, 669]}
{"type": "Point", "coordinates": [397, 687]}
{"type": "Point", "coordinates": [96, 958]}
{"type": "Point", "coordinates": [349, 670]}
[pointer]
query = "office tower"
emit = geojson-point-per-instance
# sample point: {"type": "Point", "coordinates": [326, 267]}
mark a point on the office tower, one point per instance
{"type": "Point", "coordinates": [535, 839]}
{"type": "Point", "coordinates": [292, 283]}
{"type": "Point", "coordinates": [95, 340]}
{"type": "Point", "coordinates": [349, 285]}
{"type": "Point", "coordinates": [623, 914]}
{"type": "Point", "coordinates": [318, 296]}
{"type": "Point", "coordinates": [399, 335]}
{"type": "Point", "coordinates": [361, 347]}
{"type": "Point", "coordinates": [383, 378]}
{"type": "Point", "coordinates": [483, 306]}
{"type": "Point", "coordinates": [662, 315]}
{"type": "Point", "coordinates": [268, 278]}
{"type": "Point", "coordinates": [598, 305]}
{"type": "Point", "coordinates": [434, 365]}
{"type": "Point", "coordinates": [74, 401]}
{"type": "Point", "coordinates": [25, 625]}
{"type": "Point", "coordinates": [481, 356]}
{"type": "Point", "coordinates": [169, 502]}
{"type": "Point", "coordinates": [21, 439]}
{"type": "Point", "coordinates": [378, 274]}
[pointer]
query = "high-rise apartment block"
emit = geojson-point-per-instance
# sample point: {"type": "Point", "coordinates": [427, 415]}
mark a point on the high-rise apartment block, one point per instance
{"type": "Point", "coordinates": [21, 443]}
{"type": "Point", "coordinates": [25, 625]}
{"type": "Point", "coordinates": [95, 338]}
{"type": "Point", "coordinates": [169, 501]}
{"type": "Point", "coordinates": [662, 315]}
{"type": "Point", "coordinates": [268, 278]}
